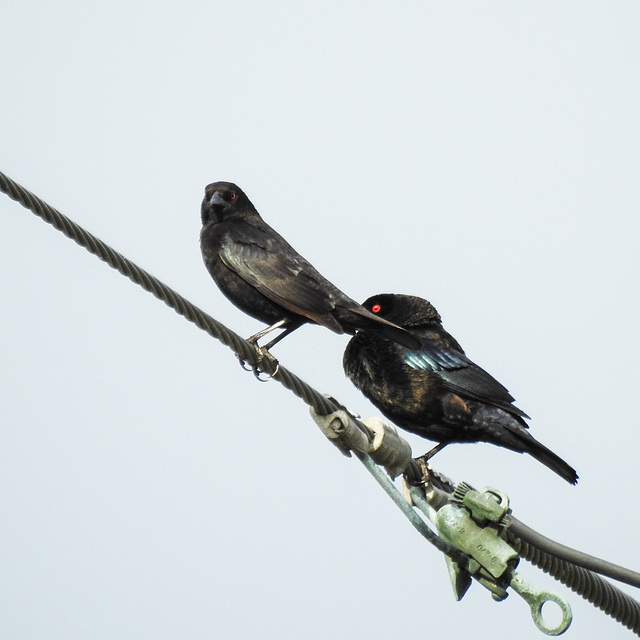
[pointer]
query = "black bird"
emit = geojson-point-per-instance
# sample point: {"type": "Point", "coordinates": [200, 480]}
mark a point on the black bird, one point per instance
{"type": "Point", "coordinates": [262, 274]}
{"type": "Point", "coordinates": [435, 390]}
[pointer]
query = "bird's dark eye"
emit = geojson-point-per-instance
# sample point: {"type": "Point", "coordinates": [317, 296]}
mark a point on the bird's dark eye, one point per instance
{"type": "Point", "coordinates": [376, 308]}
{"type": "Point", "coordinates": [232, 195]}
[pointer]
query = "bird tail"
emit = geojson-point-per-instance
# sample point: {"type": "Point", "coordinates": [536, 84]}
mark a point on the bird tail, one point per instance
{"type": "Point", "coordinates": [511, 431]}
{"type": "Point", "coordinates": [528, 444]}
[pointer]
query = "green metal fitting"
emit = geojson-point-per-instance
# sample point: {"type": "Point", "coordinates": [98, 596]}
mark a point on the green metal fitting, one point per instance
{"type": "Point", "coordinates": [456, 526]}
{"type": "Point", "coordinates": [470, 524]}
{"type": "Point", "coordinates": [488, 505]}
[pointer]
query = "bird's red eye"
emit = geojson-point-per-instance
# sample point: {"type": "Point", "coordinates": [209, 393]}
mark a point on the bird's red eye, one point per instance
{"type": "Point", "coordinates": [232, 195]}
{"type": "Point", "coordinates": [376, 308]}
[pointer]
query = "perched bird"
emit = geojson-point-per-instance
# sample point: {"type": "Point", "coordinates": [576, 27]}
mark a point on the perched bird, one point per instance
{"type": "Point", "coordinates": [435, 390]}
{"type": "Point", "coordinates": [262, 274]}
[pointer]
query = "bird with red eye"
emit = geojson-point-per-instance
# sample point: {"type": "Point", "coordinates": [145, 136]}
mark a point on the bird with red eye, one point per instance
{"type": "Point", "coordinates": [262, 274]}
{"type": "Point", "coordinates": [435, 390]}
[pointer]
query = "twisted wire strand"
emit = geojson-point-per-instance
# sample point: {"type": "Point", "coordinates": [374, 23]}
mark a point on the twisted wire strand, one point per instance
{"type": "Point", "coordinates": [245, 350]}
{"type": "Point", "coordinates": [607, 569]}
{"type": "Point", "coordinates": [600, 593]}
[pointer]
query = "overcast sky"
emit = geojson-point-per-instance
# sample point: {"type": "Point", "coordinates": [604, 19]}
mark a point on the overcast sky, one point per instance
{"type": "Point", "coordinates": [483, 155]}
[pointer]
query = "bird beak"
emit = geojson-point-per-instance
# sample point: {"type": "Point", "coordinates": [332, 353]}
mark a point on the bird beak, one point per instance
{"type": "Point", "coordinates": [217, 199]}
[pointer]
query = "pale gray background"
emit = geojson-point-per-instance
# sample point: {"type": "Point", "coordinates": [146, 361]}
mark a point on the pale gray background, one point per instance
{"type": "Point", "coordinates": [481, 154]}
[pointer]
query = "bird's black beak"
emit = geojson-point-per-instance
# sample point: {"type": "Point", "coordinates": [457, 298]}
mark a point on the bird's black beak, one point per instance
{"type": "Point", "coordinates": [217, 200]}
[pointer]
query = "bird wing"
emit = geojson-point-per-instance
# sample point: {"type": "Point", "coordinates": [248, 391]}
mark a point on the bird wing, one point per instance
{"type": "Point", "coordinates": [270, 264]}
{"type": "Point", "coordinates": [441, 354]}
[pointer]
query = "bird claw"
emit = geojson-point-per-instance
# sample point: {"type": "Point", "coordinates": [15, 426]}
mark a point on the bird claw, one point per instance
{"type": "Point", "coordinates": [243, 364]}
{"type": "Point", "coordinates": [425, 467]}
{"type": "Point", "coordinates": [257, 372]}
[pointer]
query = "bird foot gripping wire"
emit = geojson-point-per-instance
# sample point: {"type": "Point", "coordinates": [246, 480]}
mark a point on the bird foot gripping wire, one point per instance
{"type": "Point", "coordinates": [472, 523]}
{"type": "Point", "coordinates": [257, 367]}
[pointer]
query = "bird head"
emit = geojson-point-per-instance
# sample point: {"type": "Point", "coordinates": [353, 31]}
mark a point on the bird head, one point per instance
{"type": "Point", "coordinates": [222, 199]}
{"type": "Point", "coordinates": [403, 310]}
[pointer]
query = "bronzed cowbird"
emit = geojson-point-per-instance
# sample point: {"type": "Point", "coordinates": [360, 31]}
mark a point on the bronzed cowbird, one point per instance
{"type": "Point", "coordinates": [435, 390]}
{"type": "Point", "coordinates": [262, 274]}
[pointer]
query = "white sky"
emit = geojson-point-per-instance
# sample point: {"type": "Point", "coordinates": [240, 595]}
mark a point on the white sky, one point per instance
{"type": "Point", "coordinates": [482, 155]}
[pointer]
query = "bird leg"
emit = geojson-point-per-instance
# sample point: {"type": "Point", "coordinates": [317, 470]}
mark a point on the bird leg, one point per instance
{"type": "Point", "coordinates": [277, 339]}
{"type": "Point", "coordinates": [423, 462]}
{"type": "Point", "coordinates": [256, 336]}
{"type": "Point", "coordinates": [432, 452]}
{"type": "Point", "coordinates": [288, 325]}
{"type": "Point", "coordinates": [254, 340]}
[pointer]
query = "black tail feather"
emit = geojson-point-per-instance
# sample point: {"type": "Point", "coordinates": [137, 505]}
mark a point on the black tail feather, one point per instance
{"type": "Point", "coordinates": [544, 455]}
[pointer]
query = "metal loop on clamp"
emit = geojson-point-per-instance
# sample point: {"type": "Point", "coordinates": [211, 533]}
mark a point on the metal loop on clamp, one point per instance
{"type": "Point", "coordinates": [536, 600]}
